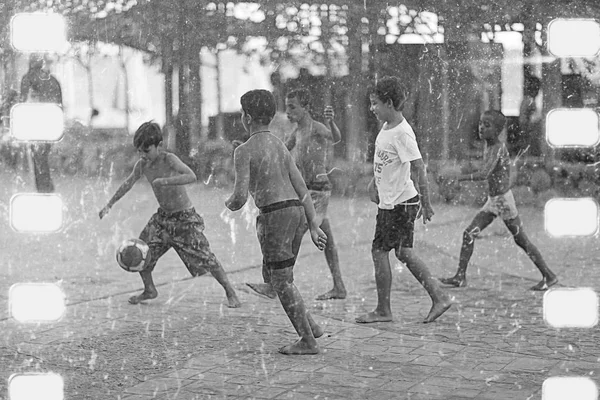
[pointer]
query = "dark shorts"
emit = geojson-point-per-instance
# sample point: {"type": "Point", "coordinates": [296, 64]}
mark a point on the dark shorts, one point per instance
{"type": "Point", "coordinates": [395, 228]}
{"type": "Point", "coordinates": [182, 230]}
{"type": "Point", "coordinates": [280, 227]}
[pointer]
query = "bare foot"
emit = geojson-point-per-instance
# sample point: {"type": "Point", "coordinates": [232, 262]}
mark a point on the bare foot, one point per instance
{"type": "Point", "coordinates": [145, 295]}
{"type": "Point", "coordinates": [299, 348]}
{"type": "Point", "coordinates": [373, 316]}
{"type": "Point", "coordinates": [263, 289]}
{"type": "Point", "coordinates": [233, 301]}
{"type": "Point", "coordinates": [545, 284]}
{"type": "Point", "coordinates": [317, 331]}
{"type": "Point", "coordinates": [456, 281]}
{"type": "Point", "coordinates": [332, 294]}
{"type": "Point", "coordinates": [437, 309]}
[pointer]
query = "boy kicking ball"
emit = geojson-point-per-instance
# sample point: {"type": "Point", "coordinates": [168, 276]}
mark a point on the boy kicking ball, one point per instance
{"type": "Point", "coordinates": [176, 223]}
{"type": "Point", "coordinates": [500, 203]}
{"type": "Point", "coordinates": [265, 168]}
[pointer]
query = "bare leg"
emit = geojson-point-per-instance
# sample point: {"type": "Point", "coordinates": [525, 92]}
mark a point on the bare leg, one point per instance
{"type": "Point", "coordinates": [548, 277]}
{"type": "Point", "coordinates": [317, 330]}
{"type": "Point", "coordinates": [331, 255]}
{"type": "Point", "coordinates": [383, 280]}
{"type": "Point", "coordinates": [479, 223]}
{"type": "Point", "coordinates": [441, 301]}
{"type": "Point", "coordinates": [264, 289]}
{"type": "Point", "coordinates": [43, 178]}
{"type": "Point", "coordinates": [221, 277]}
{"type": "Point", "coordinates": [149, 292]}
{"type": "Point", "coordinates": [291, 300]}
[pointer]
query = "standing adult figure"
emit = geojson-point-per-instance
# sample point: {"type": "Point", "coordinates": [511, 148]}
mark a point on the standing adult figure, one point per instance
{"type": "Point", "coordinates": [38, 85]}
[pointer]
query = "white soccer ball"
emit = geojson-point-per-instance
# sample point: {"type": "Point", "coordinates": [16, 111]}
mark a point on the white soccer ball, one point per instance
{"type": "Point", "coordinates": [133, 255]}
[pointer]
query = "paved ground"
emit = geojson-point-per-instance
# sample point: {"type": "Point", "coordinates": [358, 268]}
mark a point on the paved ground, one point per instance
{"type": "Point", "coordinates": [188, 345]}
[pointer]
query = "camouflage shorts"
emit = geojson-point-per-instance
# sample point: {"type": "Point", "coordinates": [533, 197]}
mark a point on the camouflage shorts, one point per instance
{"type": "Point", "coordinates": [183, 231]}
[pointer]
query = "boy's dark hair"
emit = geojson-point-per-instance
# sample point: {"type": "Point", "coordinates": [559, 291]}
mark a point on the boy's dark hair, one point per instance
{"type": "Point", "coordinates": [148, 134]}
{"type": "Point", "coordinates": [303, 96]}
{"type": "Point", "coordinates": [498, 119]}
{"type": "Point", "coordinates": [390, 88]}
{"type": "Point", "coordinates": [260, 105]}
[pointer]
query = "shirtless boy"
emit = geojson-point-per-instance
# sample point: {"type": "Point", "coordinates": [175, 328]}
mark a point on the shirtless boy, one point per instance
{"type": "Point", "coordinates": [311, 146]}
{"type": "Point", "coordinates": [264, 167]}
{"type": "Point", "coordinates": [176, 223]}
{"type": "Point", "coordinates": [500, 203]}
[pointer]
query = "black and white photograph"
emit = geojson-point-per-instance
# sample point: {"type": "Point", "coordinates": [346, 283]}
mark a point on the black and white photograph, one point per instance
{"type": "Point", "coordinates": [359, 199]}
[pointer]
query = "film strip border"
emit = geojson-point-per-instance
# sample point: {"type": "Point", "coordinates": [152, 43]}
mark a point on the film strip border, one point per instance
{"type": "Point", "coordinates": [36, 123]}
{"type": "Point", "coordinates": [575, 128]}
{"type": "Point", "coordinates": [43, 213]}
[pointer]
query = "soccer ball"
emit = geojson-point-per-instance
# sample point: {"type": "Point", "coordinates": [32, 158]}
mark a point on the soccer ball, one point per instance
{"type": "Point", "coordinates": [133, 255]}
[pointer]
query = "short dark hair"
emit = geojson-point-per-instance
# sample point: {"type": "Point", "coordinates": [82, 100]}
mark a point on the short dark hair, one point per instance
{"type": "Point", "coordinates": [390, 88]}
{"type": "Point", "coordinates": [498, 119]}
{"type": "Point", "coordinates": [303, 96]}
{"type": "Point", "coordinates": [260, 105]}
{"type": "Point", "coordinates": [148, 134]}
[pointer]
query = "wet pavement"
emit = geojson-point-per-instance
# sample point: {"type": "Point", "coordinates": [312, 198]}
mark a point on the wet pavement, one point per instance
{"type": "Point", "coordinates": [493, 344]}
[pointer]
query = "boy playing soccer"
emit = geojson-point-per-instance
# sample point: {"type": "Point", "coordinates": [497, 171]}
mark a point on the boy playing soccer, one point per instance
{"type": "Point", "coordinates": [265, 167]}
{"type": "Point", "coordinates": [500, 203]}
{"type": "Point", "coordinates": [399, 202]}
{"type": "Point", "coordinates": [311, 146]}
{"type": "Point", "coordinates": [176, 224]}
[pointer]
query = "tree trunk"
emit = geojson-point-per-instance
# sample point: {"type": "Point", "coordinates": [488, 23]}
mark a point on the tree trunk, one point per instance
{"type": "Point", "coordinates": [182, 125]}
{"type": "Point", "coordinates": [126, 83]}
{"type": "Point", "coordinates": [551, 98]}
{"type": "Point", "coordinates": [219, 120]}
{"type": "Point", "coordinates": [356, 90]}
{"type": "Point", "coordinates": [445, 155]}
{"type": "Point", "coordinates": [167, 69]}
{"type": "Point", "coordinates": [195, 95]}
{"type": "Point", "coordinates": [90, 79]}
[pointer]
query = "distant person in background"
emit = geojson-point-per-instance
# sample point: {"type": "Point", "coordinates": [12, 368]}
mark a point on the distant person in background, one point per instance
{"type": "Point", "coordinates": [530, 117]}
{"type": "Point", "coordinates": [38, 85]}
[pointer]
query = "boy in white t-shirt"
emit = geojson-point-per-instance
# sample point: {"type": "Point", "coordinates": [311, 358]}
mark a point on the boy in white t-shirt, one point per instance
{"type": "Point", "coordinates": [399, 202]}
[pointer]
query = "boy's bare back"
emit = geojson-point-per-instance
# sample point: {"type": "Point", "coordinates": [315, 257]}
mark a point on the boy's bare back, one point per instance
{"type": "Point", "coordinates": [171, 198]}
{"type": "Point", "coordinates": [268, 163]}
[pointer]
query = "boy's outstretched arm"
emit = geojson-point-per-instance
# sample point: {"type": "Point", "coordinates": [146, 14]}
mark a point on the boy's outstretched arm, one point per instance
{"type": "Point", "coordinates": [318, 237]}
{"type": "Point", "coordinates": [185, 173]}
{"type": "Point", "coordinates": [124, 188]}
{"type": "Point", "coordinates": [423, 186]}
{"type": "Point", "coordinates": [241, 161]}
{"type": "Point", "coordinates": [479, 175]}
{"type": "Point", "coordinates": [484, 172]}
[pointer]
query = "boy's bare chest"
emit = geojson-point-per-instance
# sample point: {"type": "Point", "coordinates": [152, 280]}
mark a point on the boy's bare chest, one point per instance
{"type": "Point", "coordinates": [308, 142]}
{"type": "Point", "coordinates": [158, 170]}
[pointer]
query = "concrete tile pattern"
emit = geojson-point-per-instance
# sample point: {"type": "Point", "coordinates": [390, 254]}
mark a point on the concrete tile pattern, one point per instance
{"type": "Point", "coordinates": [493, 344]}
